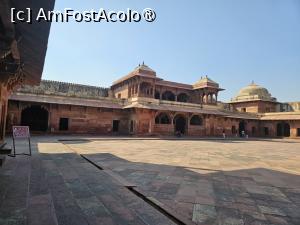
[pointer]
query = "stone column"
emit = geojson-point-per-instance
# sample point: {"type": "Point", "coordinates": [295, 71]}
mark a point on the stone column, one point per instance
{"type": "Point", "coordinates": [138, 89]}
{"type": "Point", "coordinates": [160, 94]}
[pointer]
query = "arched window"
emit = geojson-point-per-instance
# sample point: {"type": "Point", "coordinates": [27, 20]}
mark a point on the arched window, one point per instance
{"type": "Point", "coordinates": [168, 95]}
{"type": "Point", "coordinates": [196, 120]}
{"type": "Point", "coordinates": [162, 118]}
{"type": "Point", "coordinates": [183, 97]}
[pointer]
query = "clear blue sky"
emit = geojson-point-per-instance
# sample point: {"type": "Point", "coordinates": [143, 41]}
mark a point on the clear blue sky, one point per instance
{"type": "Point", "coordinates": [231, 41]}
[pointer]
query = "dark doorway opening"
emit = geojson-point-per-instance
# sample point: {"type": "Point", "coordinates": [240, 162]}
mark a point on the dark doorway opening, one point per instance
{"type": "Point", "coordinates": [157, 95]}
{"type": "Point", "coordinates": [63, 124]}
{"type": "Point", "coordinates": [180, 124]}
{"type": "Point", "coordinates": [298, 132]}
{"type": "Point", "coordinates": [286, 130]}
{"type": "Point", "coordinates": [253, 131]}
{"type": "Point", "coordinates": [279, 130]}
{"type": "Point", "coordinates": [283, 129]}
{"type": "Point", "coordinates": [116, 124]}
{"type": "Point", "coordinates": [266, 131]}
{"type": "Point", "coordinates": [35, 117]}
{"type": "Point", "coordinates": [242, 128]}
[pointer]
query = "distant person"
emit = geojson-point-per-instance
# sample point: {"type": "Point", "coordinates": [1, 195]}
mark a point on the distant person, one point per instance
{"type": "Point", "coordinates": [224, 134]}
{"type": "Point", "coordinates": [243, 133]}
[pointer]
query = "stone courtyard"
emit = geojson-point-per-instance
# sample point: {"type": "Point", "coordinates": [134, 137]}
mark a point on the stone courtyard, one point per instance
{"type": "Point", "coordinates": [99, 180]}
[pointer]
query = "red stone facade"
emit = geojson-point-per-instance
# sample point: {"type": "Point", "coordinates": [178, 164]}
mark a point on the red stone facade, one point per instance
{"type": "Point", "coordinates": [143, 104]}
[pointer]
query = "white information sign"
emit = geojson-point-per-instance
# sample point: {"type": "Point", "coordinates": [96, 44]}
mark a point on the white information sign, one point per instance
{"type": "Point", "coordinates": [18, 133]}
{"type": "Point", "coordinates": [21, 132]}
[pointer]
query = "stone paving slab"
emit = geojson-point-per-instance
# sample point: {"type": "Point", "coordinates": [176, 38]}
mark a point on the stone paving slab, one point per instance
{"type": "Point", "coordinates": [210, 182]}
{"type": "Point", "coordinates": [57, 187]}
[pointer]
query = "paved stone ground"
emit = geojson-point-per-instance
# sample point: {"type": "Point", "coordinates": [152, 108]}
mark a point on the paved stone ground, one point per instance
{"type": "Point", "coordinates": [58, 187]}
{"type": "Point", "coordinates": [234, 182]}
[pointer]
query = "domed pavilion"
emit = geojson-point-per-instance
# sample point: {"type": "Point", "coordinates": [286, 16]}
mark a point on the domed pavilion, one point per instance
{"type": "Point", "coordinates": [254, 99]}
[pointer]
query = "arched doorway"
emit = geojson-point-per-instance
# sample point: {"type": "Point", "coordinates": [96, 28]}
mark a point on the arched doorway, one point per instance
{"type": "Point", "coordinates": [35, 117]}
{"type": "Point", "coordinates": [180, 124]}
{"type": "Point", "coordinates": [283, 129]}
{"type": "Point", "coordinates": [242, 128]}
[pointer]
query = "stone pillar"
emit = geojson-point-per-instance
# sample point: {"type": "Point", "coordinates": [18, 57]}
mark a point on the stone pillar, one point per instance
{"type": "Point", "coordinates": [138, 89]}
{"type": "Point", "coordinates": [49, 118]}
{"type": "Point", "coordinates": [153, 92]}
{"type": "Point", "coordinates": [3, 110]}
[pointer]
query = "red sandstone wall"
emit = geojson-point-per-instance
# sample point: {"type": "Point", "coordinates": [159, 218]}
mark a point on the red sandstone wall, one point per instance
{"type": "Point", "coordinates": [196, 130]}
{"type": "Point", "coordinates": [3, 110]}
{"type": "Point", "coordinates": [295, 129]}
{"type": "Point", "coordinates": [255, 107]}
{"type": "Point", "coordinates": [99, 121]}
{"type": "Point", "coordinates": [272, 125]}
{"type": "Point", "coordinates": [81, 119]}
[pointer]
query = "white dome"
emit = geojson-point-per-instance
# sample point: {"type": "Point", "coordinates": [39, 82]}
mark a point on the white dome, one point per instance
{"type": "Point", "coordinates": [253, 92]}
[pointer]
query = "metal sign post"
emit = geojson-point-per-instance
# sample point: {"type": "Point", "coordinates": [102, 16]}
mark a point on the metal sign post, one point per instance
{"type": "Point", "coordinates": [21, 132]}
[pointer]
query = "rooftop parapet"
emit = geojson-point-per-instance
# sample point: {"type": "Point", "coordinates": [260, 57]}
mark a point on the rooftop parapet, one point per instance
{"type": "Point", "coordinates": [49, 87]}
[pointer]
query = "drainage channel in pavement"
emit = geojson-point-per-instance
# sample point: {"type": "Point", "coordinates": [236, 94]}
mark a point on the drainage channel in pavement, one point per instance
{"type": "Point", "coordinates": [166, 211]}
{"type": "Point", "coordinates": [133, 189]}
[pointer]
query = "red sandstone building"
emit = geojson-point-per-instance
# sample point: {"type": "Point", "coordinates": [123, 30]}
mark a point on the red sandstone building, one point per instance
{"type": "Point", "coordinates": [141, 103]}
{"type": "Point", "coordinates": [23, 48]}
